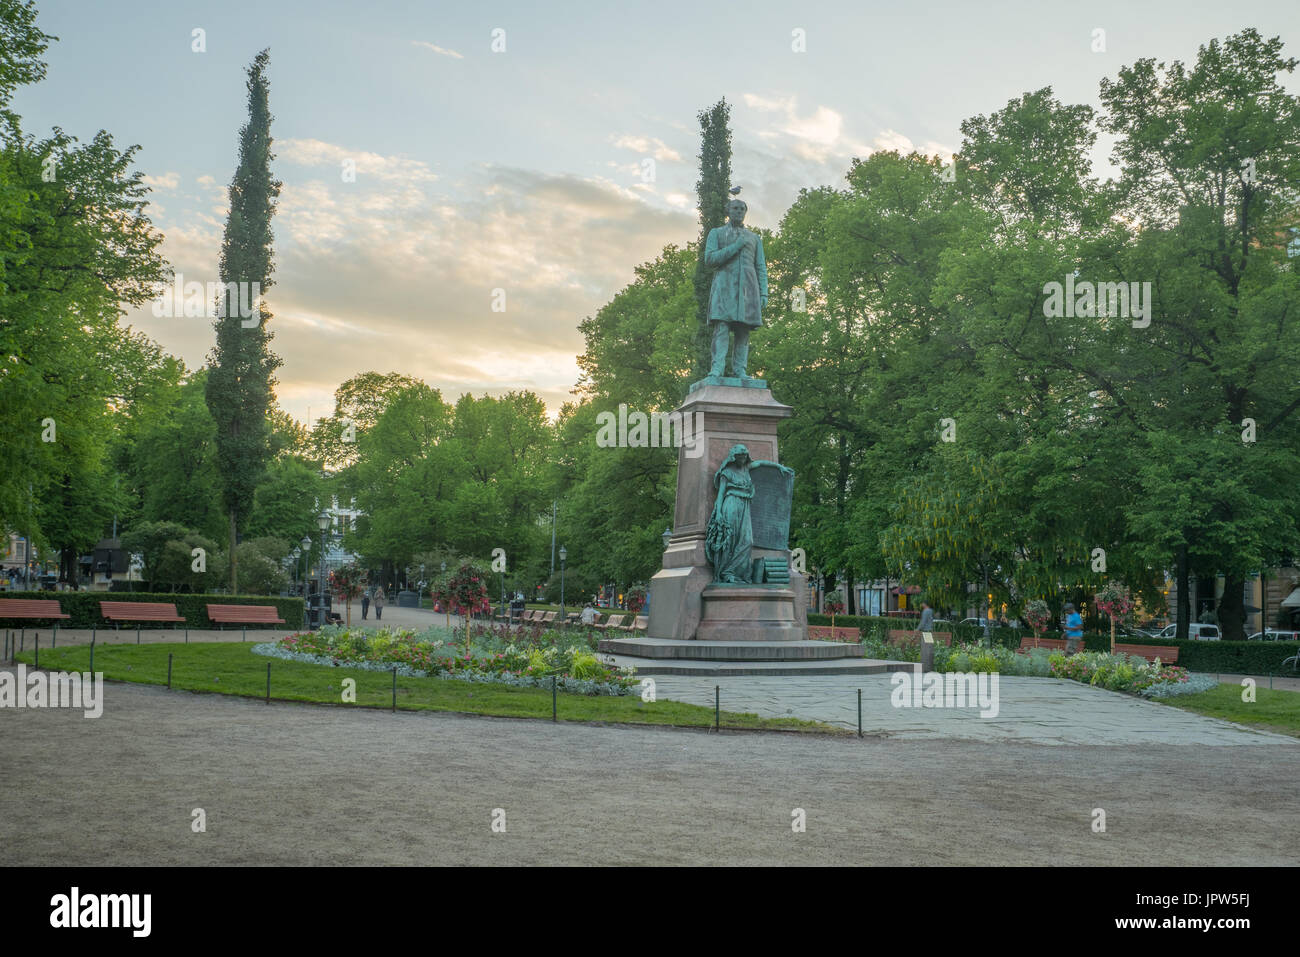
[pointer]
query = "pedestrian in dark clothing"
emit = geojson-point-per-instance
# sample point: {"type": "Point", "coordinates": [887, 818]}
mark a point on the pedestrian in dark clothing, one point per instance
{"type": "Point", "coordinates": [365, 603]}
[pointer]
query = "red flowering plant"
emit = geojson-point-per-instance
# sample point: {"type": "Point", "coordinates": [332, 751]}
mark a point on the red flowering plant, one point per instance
{"type": "Point", "coordinates": [834, 605]}
{"type": "Point", "coordinates": [464, 592]}
{"type": "Point", "coordinates": [1038, 615]}
{"type": "Point", "coordinates": [347, 582]}
{"type": "Point", "coordinates": [1116, 602]}
{"type": "Point", "coordinates": [635, 599]}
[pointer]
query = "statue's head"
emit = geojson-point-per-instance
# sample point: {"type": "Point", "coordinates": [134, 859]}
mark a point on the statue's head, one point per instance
{"type": "Point", "coordinates": [739, 455]}
{"type": "Point", "coordinates": [736, 210]}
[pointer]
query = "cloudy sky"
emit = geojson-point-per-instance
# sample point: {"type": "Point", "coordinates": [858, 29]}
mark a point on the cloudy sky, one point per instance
{"type": "Point", "coordinates": [549, 169]}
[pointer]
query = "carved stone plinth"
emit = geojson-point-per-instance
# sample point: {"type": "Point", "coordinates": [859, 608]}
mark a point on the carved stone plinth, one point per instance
{"type": "Point", "coordinates": [720, 415]}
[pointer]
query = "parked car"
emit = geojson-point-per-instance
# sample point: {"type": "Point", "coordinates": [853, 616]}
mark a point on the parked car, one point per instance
{"type": "Point", "coordinates": [1271, 635]}
{"type": "Point", "coordinates": [1195, 632]}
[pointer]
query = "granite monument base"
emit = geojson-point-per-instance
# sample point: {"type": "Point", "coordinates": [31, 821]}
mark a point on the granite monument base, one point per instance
{"type": "Point", "coordinates": [686, 604]}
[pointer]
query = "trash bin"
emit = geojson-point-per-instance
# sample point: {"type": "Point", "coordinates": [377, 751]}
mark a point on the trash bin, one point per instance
{"type": "Point", "coordinates": [408, 599]}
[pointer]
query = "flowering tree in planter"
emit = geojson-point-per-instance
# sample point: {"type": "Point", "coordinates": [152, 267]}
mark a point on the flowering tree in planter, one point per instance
{"type": "Point", "coordinates": [1039, 616]}
{"type": "Point", "coordinates": [347, 582]}
{"type": "Point", "coordinates": [834, 605]}
{"type": "Point", "coordinates": [1116, 601]}
{"type": "Point", "coordinates": [635, 600]}
{"type": "Point", "coordinates": [464, 592]}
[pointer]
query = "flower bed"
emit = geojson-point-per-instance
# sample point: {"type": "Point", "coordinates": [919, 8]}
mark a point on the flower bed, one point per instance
{"type": "Point", "coordinates": [1117, 672]}
{"type": "Point", "coordinates": [575, 669]}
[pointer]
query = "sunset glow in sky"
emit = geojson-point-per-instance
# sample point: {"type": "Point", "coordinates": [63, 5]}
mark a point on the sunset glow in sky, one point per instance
{"type": "Point", "coordinates": [525, 170]}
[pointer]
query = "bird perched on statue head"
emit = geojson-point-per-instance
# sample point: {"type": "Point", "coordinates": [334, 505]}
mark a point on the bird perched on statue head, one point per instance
{"type": "Point", "coordinates": [735, 191]}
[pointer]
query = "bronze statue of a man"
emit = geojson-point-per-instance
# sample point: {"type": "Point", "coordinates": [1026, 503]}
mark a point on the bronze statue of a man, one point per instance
{"type": "Point", "coordinates": [739, 290]}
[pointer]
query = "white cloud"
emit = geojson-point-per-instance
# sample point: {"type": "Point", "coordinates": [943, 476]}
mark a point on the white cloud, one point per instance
{"type": "Point", "coordinates": [769, 104]}
{"type": "Point", "coordinates": [164, 181]}
{"type": "Point", "coordinates": [441, 51]}
{"type": "Point", "coordinates": [892, 140]}
{"type": "Point", "coordinates": [395, 278]}
{"type": "Point", "coordinates": [311, 152]}
{"type": "Point", "coordinates": [647, 145]}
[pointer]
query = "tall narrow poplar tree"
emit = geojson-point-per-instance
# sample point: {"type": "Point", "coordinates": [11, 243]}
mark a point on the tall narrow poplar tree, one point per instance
{"type": "Point", "coordinates": [241, 364]}
{"type": "Point", "coordinates": [711, 194]}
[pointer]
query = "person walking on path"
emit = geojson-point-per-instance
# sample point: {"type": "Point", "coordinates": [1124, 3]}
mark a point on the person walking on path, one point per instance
{"type": "Point", "coordinates": [365, 603]}
{"type": "Point", "coordinates": [927, 619]}
{"type": "Point", "coordinates": [379, 602]}
{"type": "Point", "coordinates": [1073, 629]}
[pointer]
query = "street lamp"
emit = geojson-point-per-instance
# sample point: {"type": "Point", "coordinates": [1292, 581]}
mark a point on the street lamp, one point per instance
{"type": "Point", "coordinates": [446, 604]}
{"type": "Point", "coordinates": [667, 537]}
{"type": "Point", "coordinates": [564, 553]}
{"type": "Point", "coordinates": [323, 523]}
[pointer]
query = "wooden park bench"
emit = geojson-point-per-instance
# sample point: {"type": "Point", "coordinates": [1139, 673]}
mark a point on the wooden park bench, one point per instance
{"type": "Point", "coordinates": [139, 611]}
{"type": "Point", "coordinates": [1028, 644]}
{"type": "Point", "coordinates": [908, 634]}
{"type": "Point", "coordinates": [613, 621]}
{"type": "Point", "coordinates": [641, 623]}
{"type": "Point", "coordinates": [32, 609]}
{"type": "Point", "coordinates": [244, 615]}
{"type": "Point", "coordinates": [838, 633]}
{"type": "Point", "coordinates": [1168, 654]}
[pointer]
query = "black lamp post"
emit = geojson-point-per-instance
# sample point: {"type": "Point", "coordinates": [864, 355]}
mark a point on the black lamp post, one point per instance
{"type": "Point", "coordinates": [564, 553]}
{"type": "Point", "coordinates": [305, 545]}
{"type": "Point", "coordinates": [323, 523]}
{"type": "Point", "coordinates": [446, 605]}
{"type": "Point", "coordinates": [667, 537]}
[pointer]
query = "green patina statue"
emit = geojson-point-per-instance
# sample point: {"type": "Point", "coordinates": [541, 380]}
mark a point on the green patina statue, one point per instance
{"type": "Point", "coordinates": [739, 291]}
{"type": "Point", "coordinates": [729, 538]}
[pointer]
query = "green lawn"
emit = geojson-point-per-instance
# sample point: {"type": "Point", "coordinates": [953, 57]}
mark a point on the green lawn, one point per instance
{"type": "Point", "coordinates": [1270, 711]}
{"type": "Point", "coordinates": [232, 668]}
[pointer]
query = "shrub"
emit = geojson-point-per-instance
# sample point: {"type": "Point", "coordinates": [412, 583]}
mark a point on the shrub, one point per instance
{"type": "Point", "coordinates": [83, 606]}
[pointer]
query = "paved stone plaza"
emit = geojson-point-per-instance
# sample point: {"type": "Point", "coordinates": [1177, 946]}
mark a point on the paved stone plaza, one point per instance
{"type": "Point", "coordinates": [1031, 710]}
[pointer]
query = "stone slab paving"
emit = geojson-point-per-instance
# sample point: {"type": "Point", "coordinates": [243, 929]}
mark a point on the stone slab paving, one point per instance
{"type": "Point", "coordinates": [1046, 711]}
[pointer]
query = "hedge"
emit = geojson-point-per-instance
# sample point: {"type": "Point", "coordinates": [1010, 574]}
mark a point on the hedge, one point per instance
{"type": "Point", "coordinates": [83, 606]}
{"type": "Point", "coordinates": [1211, 657]}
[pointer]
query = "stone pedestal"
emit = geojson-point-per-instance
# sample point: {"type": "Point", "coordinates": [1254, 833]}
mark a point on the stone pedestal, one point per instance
{"type": "Point", "coordinates": [685, 604]}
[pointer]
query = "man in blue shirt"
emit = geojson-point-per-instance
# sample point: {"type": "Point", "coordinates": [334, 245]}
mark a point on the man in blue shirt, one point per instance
{"type": "Point", "coordinates": [1073, 629]}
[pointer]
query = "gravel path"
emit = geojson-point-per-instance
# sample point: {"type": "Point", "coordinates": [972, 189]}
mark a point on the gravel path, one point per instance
{"type": "Point", "coordinates": [297, 784]}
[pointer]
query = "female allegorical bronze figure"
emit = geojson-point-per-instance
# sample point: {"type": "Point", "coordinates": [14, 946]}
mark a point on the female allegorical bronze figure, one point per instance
{"type": "Point", "coordinates": [730, 535]}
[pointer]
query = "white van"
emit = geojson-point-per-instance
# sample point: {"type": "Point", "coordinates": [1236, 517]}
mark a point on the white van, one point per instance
{"type": "Point", "coordinates": [1195, 632]}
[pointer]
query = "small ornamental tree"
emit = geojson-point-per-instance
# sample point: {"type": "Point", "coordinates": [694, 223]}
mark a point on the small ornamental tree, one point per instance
{"type": "Point", "coordinates": [635, 599]}
{"type": "Point", "coordinates": [1116, 602]}
{"type": "Point", "coordinates": [1038, 615]}
{"type": "Point", "coordinates": [834, 605]}
{"type": "Point", "coordinates": [347, 583]}
{"type": "Point", "coordinates": [465, 593]}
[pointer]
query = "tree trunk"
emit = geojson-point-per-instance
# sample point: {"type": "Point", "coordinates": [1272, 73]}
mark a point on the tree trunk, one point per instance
{"type": "Point", "coordinates": [1232, 609]}
{"type": "Point", "coordinates": [68, 571]}
{"type": "Point", "coordinates": [1183, 584]}
{"type": "Point", "coordinates": [234, 580]}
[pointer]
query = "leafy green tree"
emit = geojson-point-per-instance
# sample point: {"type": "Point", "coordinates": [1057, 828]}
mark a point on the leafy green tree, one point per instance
{"type": "Point", "coordinates": [149, 540]}
{"type": "Point", "coordinates": [1210, 160]}
{"type": "Point", "coordinates": [240, 377]}
{"type": "Point", "coordinates": [76, 244]}
{"type": "Point", "coordinates": [711, 198]}
{"type": "Point", "coordinates": [171, 464]}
